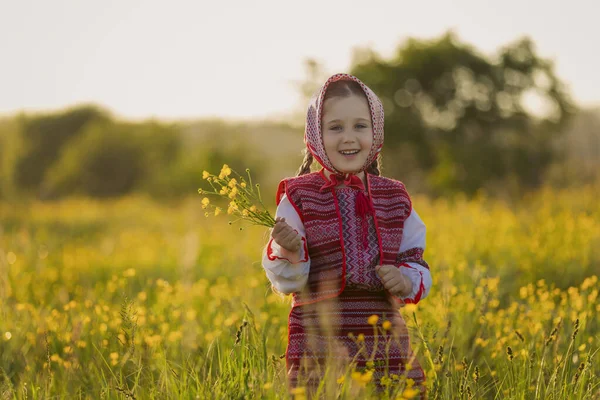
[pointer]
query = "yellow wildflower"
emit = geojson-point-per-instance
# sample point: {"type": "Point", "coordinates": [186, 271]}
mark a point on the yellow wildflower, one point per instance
{"type": "Point", "coordinates": [361, 337]}
{"type": "Point", "coordinates": [205, 202]}
{"type": "Point", "coordinates": [253, 208]}
{"type": "Point", "coordinates": [224, 190]}
{"type": "Point", "coordinates": [225, 171]}
{"type": "Point", "coordinates": [409, 393]}
{"type": "Point", "coordinates": [205, 174]}
{"type": "Point", "coordinates": [298, 390]}
{"type": "Point", "coordinates": [387, 325]}
{"type": "Point", "coordinates": [243, 184]}
{"type": "Point", "coordinates": [362, 379]}
{"type": "Point", "coordinates": [341, 379]}
{"type": "Point", "coordinates": [410, 308]}
{"type": "Point", "coordinates": [218, 211]}
{"type": "Point", "coordinates": [373, 319]}
{"type": "Point", "coordinates": [232, 207]}
{"type": "Point", "coordinates": [233, 193]}
{"type": "Point", "coordinates": [245, 213]}
{"type": "Point", "coordinates": [232, 183]}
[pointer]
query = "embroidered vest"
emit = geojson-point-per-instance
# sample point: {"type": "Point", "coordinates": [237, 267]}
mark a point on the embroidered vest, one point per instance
{"type": "Point", "coordinates": [320, 214]}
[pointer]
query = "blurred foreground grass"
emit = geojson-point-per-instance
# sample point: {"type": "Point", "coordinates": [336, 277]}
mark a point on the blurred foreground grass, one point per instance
{"type": "Point", "coordinates": [134, 298]}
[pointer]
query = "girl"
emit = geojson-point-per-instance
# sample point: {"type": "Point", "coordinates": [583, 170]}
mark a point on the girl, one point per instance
{"type": "Point", "coordinates": [348, 245]}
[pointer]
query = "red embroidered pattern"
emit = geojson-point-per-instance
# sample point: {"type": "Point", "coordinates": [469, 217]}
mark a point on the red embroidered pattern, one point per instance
{"type": "Point", "coordinates": [412, 255]}
{"type": "Point", "coordinates": [360, 261]}
{"type": "Point", "coordinates": [323, 223]}
{"type": "Point", "coordinates": [314, 328]}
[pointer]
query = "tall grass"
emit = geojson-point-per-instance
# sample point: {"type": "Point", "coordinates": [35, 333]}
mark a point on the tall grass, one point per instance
{"type": "Point", "coordinates": [134, 299]}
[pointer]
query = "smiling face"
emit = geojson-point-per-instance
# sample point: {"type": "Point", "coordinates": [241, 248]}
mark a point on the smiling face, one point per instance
{"type": "Point", "coordinates": [347, 132]}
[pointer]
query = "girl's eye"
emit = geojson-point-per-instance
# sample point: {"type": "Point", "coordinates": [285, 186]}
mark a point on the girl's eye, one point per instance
{"type": "Point", "coordinates": [361, 126]}
{"type": "Point", "coordinates": [335, 128]}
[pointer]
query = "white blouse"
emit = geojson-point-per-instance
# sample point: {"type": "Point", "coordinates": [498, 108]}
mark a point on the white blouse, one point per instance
{"type": "Point", "coordinates": [288, 277]}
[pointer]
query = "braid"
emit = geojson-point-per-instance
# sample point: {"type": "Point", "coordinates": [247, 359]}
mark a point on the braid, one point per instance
{"type": "Point", "coordinates": [374, 168]}
{"type": "Point", "coordinates": [306, 163]}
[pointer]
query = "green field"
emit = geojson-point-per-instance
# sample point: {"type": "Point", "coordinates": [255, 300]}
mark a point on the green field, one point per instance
{"type": "Point", "coordinates": [110, 299]}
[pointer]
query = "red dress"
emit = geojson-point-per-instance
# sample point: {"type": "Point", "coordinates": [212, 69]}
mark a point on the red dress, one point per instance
{"type": "Point", "coordinates": [340, 326]}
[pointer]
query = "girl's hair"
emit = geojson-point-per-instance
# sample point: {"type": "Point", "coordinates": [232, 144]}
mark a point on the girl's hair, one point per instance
{"type": "Point", "coordinates": [340, 89]}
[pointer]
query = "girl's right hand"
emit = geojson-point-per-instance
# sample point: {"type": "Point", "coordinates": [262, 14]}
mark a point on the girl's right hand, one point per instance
{"type": "Point", "coordinates": [286, 236]}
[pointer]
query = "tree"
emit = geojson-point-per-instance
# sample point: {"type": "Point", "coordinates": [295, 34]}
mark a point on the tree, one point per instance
{"type": "Point", "coordinates": [43, 137]}
{"type": "Point", "coordinates": [463, 121]}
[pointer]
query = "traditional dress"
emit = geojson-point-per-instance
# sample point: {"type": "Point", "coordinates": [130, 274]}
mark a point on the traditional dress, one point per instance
{"type": "Point", "coordinates": [335, 286]}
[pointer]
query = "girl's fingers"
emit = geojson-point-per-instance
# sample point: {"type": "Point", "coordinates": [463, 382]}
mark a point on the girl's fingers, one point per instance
{"type": "Point", "coordinates": [290, 236]}
{"type": "Point", "coordinates": [393, 281]}
{"type": "Point", "coordinates": [384, 271]}
{"type": "Point", "coordinates": [281, 226]}
{"type": "Point", "coordinates": [397, 289]}
{"type": "Point", "coordinates": [278, 227]}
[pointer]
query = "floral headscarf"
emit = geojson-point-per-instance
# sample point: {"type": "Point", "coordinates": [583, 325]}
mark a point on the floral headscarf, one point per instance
{"type": "Point", "coordinates": [313, 136]}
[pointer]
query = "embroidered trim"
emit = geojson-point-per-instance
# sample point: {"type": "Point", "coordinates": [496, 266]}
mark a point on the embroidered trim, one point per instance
{"type": "Point", "coordinates": [419, 293]}
{"type": "Point", "coordinates": [414, 254]}
{"type": "Point", "coordinates": [272, 257]}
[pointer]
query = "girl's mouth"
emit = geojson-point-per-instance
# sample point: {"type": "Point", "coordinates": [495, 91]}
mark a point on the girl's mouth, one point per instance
{"type": "Point", "coordinates": [349, 153]}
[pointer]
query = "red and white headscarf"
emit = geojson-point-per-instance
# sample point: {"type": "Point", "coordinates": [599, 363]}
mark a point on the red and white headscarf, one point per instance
{"type": "Point", "coordinates": [313, 136]}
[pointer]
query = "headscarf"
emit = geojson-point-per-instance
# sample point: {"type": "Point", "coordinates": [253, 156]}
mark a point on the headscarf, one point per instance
{"type": "Point", "coordinates": [312, 133]}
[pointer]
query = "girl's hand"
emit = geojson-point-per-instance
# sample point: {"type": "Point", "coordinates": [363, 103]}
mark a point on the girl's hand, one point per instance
{"type": "Point", "coordinates": [394, 280]}
{"type": "Point", "coordinates": [286, 236]}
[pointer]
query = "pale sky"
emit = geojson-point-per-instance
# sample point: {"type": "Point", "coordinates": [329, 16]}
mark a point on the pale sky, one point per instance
{"type": "Point", "coordinates": [189, 59]}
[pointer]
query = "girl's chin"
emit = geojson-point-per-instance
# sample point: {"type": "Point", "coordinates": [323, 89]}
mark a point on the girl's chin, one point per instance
{"type": "Point", "coordinates": [347, 170]}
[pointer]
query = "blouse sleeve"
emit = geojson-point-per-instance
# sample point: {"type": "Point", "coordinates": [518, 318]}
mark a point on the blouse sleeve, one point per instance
{"type": "Point", "coordinates": [287, 276]}
{"type": "Point", "coordinates": [410, 257]}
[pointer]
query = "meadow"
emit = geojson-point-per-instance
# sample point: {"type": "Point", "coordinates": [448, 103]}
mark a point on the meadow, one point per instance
{"type": "Point", "coordinates": [131, 298]}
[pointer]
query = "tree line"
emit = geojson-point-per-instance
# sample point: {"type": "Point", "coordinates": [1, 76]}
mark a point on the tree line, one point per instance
{"type": "Point", "coordinates": [456, 121]}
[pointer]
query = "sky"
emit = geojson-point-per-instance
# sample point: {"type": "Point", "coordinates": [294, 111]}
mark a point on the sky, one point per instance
{"type": "Point", "coordinates": [242, 59]}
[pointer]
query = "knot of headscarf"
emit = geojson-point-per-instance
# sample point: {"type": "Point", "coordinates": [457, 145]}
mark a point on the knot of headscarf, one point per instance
{"type": "Point", "coordinates": [350, 180]}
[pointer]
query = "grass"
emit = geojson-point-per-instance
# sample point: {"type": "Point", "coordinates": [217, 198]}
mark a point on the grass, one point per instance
{"type": "Point", "coordinates": [133, 299]}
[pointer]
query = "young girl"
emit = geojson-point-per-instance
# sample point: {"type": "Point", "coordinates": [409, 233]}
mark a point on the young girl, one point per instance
{"type": "Point", "coordinates": [348, 245]}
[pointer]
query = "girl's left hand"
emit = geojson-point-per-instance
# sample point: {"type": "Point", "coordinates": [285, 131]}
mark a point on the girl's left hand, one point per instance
{"type": "Point", "coordinates": [394, 280]}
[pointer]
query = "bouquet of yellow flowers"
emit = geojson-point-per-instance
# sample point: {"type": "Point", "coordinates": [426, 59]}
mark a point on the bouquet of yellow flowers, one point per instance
{"type": "Point", "coordinates": [244, 201]}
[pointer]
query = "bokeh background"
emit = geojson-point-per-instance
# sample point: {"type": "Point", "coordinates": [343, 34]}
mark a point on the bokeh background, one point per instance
{"type": "Point", "coordinates": [110, 112]}
{"type": "Point", "coordinates": [108, 99]}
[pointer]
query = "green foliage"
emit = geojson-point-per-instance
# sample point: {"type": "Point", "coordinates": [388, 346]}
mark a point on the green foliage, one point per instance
{"type": "Point", "coordinates": [112, 159]}
{"type": "Point", "coordinates": [104, 157]}
{"type": "Point", "coordinates": [463, 118]}
{"type": "Point", "coordinates": [10, 142]}
{"type": "Point", "coordinates": [43, 137]}
{"type": "Point", "coordinates": [106, 160]}
{"type": "Point", "coordinates": [206, 146]}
